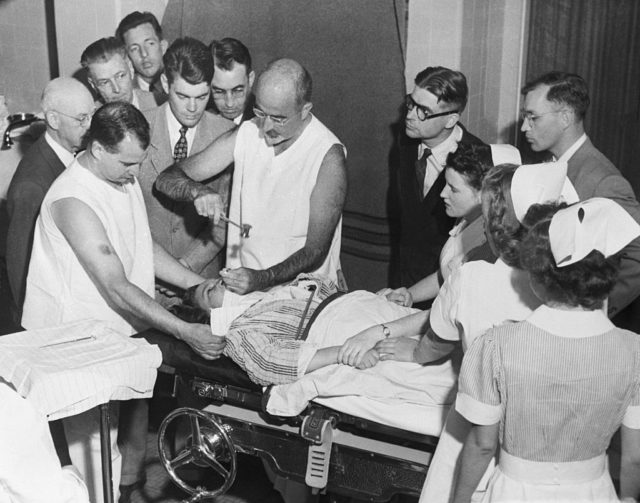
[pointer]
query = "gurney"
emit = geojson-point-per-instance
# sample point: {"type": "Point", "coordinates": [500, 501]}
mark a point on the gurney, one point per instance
{"type": "Point", "coordinates": [365, 456]}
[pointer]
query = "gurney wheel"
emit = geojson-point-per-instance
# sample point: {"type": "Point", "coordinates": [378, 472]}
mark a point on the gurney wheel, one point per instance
{"type": "Point", "coordinates": [209, 446]}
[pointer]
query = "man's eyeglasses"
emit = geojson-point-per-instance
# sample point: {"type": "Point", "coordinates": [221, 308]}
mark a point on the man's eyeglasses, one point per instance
{"type": "Point", "coordinates": [117, 79]}
{"type": "Point", "coordinates": [83, 119]}
{"type": "Point", "coordinates": [422, 112]}
{"type": "Point", "coordinates": [279, 121]}
{"type": "Point", "coordinates": [531, 118]}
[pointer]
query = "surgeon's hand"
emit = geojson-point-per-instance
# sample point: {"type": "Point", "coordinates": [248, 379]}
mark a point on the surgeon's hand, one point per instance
{"type": "Point", "coordinates": [354, 349]}
{"type": "Point", "coordinates": [244, 280]}
{"type": "Point", "coordinates": [400, 349]}
{"type": "Point", "coordinates": [209, 204]}
{"type": "Point", "coordinates": [202, 341]}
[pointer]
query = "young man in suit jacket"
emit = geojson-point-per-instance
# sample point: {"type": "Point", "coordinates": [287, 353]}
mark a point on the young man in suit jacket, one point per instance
{"type": "Point", "coordinates": [555, 105]}
{"type": "Point", "coordinates": [180, 128]}
{"type": "Point", "coordinates": [233, 77]}
{"type": "Point", "coordinates": [432, 131]}
{"type": "Point", "coordinates": [141, 35]}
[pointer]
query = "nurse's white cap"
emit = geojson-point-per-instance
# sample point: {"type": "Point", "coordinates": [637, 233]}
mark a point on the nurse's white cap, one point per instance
{"type": "Point", "coordinates": [537, 184]}
{"type": "Point", "coordinates": [595, 224]}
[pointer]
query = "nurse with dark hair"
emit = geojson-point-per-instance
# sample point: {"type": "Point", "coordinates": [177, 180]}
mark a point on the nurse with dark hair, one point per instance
{"type": "Point", "coordinates": [551, 391]}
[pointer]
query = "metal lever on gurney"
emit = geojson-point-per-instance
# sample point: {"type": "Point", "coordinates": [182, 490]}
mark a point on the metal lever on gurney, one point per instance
{"type": "Point", "coordinates": [244, 228]}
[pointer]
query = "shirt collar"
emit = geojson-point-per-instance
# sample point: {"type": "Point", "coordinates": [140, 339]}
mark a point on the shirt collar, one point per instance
{"type": "Point", "coordinates": [443, 149]}
{"type": "Point", "coordinates": [573, 148]}
{"type": "Point", "coordinates": [174, 129]}
{"type": "Point", "coordinates": [571, 324]}
{"type": "Point", "coordinates": [63, 154]}
{"type": "Point", "coordinates": [238, 120]}
{"type": "Point", "coordinates": [142, 84]}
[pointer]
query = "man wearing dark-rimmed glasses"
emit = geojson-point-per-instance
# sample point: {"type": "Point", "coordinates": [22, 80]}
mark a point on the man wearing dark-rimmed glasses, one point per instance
{"type": "Point", "coordinates": [431, 131]}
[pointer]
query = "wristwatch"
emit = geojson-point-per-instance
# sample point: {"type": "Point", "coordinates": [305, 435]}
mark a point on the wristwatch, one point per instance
{"type": "Point", "coordinates": [385, 330]}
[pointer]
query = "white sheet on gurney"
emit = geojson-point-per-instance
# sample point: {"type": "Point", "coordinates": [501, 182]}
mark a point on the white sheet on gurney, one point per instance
{"type": "Point", "coordinates": [67, 379]}
{"type": "Point", "coordinates": [404, 395]}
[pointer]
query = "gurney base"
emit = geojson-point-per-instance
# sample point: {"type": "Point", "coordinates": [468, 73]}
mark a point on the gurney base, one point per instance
{"type": "Point", "coordinates": [373, 471]}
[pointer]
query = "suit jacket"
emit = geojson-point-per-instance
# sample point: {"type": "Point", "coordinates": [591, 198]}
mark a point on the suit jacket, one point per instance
{"type": "Point", "coordinates": [176, 225]}
{"type": "Point", "coordinates": [35, 173]}
{"type": "Point", "coordinates": [420, 226]}
{"type": "Point", "coordinates": [146, 100]}
{"type": "Point", "coordinates": [593, 175]}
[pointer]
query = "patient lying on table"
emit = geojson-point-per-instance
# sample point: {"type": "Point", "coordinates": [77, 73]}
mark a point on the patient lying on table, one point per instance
{"type": "Point", "coordinates": [279, 336]}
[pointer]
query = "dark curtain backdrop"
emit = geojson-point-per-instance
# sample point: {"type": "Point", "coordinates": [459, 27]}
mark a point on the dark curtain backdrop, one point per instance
{"type": "Point", "coordinates": [352, 50]}
{"type": "Point", "coordinates": [599, 40]}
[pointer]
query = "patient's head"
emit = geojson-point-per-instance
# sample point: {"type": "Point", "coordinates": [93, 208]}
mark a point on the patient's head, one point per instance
{"type": "Point", "coordinates": [207, 295]}
{"type": "Point", "coordinates": [198, 301]}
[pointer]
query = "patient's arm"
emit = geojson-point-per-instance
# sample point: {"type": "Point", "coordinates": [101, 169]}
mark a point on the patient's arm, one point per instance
{"type": "Point", "coordinates": [354, 349]}
{"type": "Point", "coordinates": [329, 356]}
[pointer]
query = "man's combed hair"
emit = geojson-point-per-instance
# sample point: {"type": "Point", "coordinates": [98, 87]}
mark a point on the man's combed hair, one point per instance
{"type": "Point", "coordinates": [102, 51]}
{"type": "Point", "coordinates": [564, 89]}
{"type": "Point", "coordinates": [471, 161]}
{"type": "Point", "coordinates": [114, 121]}
{"type": "Point", "coordinates": [586, 283]}
{"type": "Point", "coordinates": [450, 86]}
{"type": "Point", "coordinates": [190, 60]}
{"type": "Point", "coordinates": [229, 52]}
{"type": "Point", "coordinates": [135, 19]}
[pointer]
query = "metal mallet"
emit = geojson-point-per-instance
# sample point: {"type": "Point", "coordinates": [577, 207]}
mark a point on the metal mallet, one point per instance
{"type": "Point", "coordinates": [244, 228]}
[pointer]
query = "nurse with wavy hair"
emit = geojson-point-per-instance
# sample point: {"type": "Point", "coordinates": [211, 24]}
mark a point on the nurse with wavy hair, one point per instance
{"type": "Point", "coordinates": [550, 391]}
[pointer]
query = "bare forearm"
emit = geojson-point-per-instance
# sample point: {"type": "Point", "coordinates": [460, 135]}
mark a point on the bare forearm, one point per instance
{"type": "Point", "coordinates": [323, 357]}
{"type": "Point", "coordinates": [306, 259]}
{"type": "Point", "coordinates": [425, 289]}
{"type": "Point", "coordinates": [431, 348]}
{"type": "Point", "coordinates": [174, 183]}
{"type": "Point", "coordinates": [168, 269]}
{"type": "Point", "coordinates": [630, 464]}
{"type": "Point", "coordinates": [131, 300]}
{"type": "Point", "coordinates": [476, 455]}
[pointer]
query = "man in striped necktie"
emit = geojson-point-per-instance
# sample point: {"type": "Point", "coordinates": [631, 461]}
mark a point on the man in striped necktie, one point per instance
{"type": "Point", "coordinates": [180, 128]}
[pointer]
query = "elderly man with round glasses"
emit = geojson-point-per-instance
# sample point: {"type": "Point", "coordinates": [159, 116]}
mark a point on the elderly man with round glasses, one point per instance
{"type": "Point", "coordinates": [431, 132]}
{"type": "Point", "coordinates": [68, 107]}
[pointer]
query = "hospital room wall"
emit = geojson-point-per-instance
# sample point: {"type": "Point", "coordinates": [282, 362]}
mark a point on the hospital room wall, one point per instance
{"type": "Point", "coordinates": [353, 51]}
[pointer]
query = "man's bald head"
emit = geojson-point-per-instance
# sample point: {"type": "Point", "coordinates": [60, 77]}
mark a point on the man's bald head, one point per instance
{"type": "Point", "coordinates": [287, 76]}
{"type": "Point", "coordinates": [68, 106]}
{"type": "Point", "coordinates": [63, 91]}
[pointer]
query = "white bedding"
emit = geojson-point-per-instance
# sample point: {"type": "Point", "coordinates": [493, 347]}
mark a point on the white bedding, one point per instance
{"type": "Point", "coordinates": [404, 395]}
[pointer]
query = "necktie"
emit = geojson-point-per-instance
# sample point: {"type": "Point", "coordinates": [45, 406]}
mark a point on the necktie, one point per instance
{"type": "Point", "coordinates": [180, 150]}
{"type": "Point", "coordinates": [421, 170]}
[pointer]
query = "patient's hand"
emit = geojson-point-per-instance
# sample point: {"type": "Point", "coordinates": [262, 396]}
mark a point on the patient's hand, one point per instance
{"type": "Point", "coordinates": [397, 348]}
{"type": "Point", "coordinates": [243, 280]}
{"type": "Point", "coordinates": [354, 349]}
{"type": "Point", "coordinates": [400, 296]}
{"type": "Point", "coordinates": [202, 341]}
{"type": "Point", "coordinates": [370, 359]}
